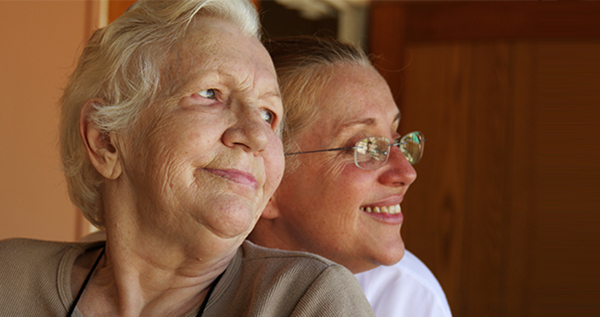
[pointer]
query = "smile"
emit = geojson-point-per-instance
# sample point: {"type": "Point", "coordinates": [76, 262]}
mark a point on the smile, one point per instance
{"type": "Point", "coordinates": [235, 176]}
{"type": "Point", "coordinates": [392, 210]}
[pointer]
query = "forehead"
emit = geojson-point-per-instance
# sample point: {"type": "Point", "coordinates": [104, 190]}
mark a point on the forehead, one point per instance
{"type": "Point", "coordinates": [214, 44]}
{"type": "Point", "coordinates": [356, 95]}
{"type": "Point", "coordinates": [212, 35]}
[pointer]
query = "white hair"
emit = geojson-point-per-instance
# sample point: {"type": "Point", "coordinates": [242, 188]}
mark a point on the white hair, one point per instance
{"type": "Point", "coordinates": [123, 67]}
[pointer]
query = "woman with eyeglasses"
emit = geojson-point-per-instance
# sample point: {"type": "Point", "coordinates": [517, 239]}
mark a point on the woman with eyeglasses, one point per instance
{"type": "Point", "coordinates": [347, 172]}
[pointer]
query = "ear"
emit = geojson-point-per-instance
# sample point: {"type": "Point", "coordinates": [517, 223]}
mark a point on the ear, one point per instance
{"type": "Point", "coordinates": [271, 210]}
{"type": "Point", "coordinates": [98, 143]}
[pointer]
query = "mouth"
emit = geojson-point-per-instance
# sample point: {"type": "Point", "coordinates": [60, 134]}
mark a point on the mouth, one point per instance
{"type": "Point", "coordinates": [392, 210]}
{"type": "Point", "coordinates": [235, 176]}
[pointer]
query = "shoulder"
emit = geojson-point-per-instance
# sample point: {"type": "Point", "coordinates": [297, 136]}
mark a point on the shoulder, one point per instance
{"type": "Point", "coordinates": [257, 255]}
{"type": "Point", "coordinates": [18, 246]}
{"type": "Point", "coordinates": [34, 271]}
{"type": "Point", "coordinates": [408, 287]}
{"type": "Point", "coordinates": [15, 252]}
{"type": "Point", "coordinates": [270, 282]}
{"type": "Point", "coordinates": [36, 257]}
{"type": "Point", "coordinates": [30, 260]}
{"type": "Point", "coordinates": [296, 267]}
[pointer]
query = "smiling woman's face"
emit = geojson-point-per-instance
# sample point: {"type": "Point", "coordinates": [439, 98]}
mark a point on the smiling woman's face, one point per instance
{"type": "Point", "coordinates": [208, 162]}
{"type": "Point", "coordinates": [322, 203]}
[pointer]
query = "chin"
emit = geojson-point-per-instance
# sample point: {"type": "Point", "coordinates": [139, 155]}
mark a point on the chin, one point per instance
{"type": "Point", "coordinates": [233, 223]}
{"type": "Point", "coordinates": [390, 255]}
{"type": "Point", "coordinates": [391, 259]}
{"type": "Point", "coordinates": [239, 229]}
{"type": "Point", "coordinates": [376, 260]}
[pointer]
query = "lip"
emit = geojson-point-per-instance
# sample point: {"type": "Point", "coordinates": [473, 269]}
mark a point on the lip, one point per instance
{"type": "Point", "coordinates": [388, 201]}
{"type": "Point", "coordinates": [236, 176]}
{"type": "Point", "coordinates": [393, 219]}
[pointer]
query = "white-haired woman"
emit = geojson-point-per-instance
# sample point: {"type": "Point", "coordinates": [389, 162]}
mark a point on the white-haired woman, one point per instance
{"type": "Point", "coordinates": [169, 141]}
{"type": "Point", "coordinates": [347, 171]}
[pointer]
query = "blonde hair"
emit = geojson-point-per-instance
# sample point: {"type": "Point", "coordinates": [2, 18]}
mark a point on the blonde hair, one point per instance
{"type": "Point", "coordinates": [123, 67]}
{"type": "Point", "coordinates": [304, 65]}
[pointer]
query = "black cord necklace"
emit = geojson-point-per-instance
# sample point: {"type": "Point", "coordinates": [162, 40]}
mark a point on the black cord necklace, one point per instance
{"type": "Point", "coordinates": [87, 279]}
{"type": "Point", "coordinates": [89, 276]}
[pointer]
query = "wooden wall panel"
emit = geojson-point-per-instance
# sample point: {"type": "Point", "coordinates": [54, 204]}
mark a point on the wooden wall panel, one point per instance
{"type": "Point", "coordinates": [567, 244]}
{"type": "Point", "coordinates": [458, 215]}
{"type": "Point", "coordinates": [391, 19]}
{"type": "Point", "coordinates": [487, 190]}
{"type": "Point", "coordinates": [520, 229]}
{"type": "Point", "coordinates": [438, 108]}
{"type": "Point", "coordinates": [484, 20]}
{"type": "Point", "coordinates": [510, 225]}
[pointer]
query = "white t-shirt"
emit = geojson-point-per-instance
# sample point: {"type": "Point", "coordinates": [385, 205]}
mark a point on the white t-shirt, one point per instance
{"type": "Point", "coordinates": [407, 288]}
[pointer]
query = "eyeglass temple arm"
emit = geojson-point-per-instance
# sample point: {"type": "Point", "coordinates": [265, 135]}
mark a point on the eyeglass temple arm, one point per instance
{"type": "Point", "coordinates": [328, 150]}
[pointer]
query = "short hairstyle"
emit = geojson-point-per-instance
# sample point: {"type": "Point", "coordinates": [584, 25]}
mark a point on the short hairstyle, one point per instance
{"type": "Point", "coordinates": [123, 67]}
{"type": "Point", "coordinates": [304, 65]}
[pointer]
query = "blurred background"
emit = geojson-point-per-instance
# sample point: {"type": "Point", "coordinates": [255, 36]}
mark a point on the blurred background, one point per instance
{"type": "Point", "coordinates": [506, 207]}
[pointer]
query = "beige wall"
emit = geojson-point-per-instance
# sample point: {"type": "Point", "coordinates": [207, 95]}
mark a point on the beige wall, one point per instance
{"type": "Point", "coordinates": [39, 42]}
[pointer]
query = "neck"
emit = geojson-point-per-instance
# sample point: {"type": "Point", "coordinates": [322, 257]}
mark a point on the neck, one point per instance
{"type": "Point", "coordinates": [152, 267]}
{"type": "Point", "coordinates": [144, 275]}
{"type": "Point", "coordinates": [268, 233]}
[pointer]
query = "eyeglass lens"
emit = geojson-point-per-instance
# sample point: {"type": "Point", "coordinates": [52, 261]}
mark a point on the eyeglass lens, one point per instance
{"type": "Point", "coordinates": [373, 152]}
{"type": "Point", "coordinates": [412, 146]}
{"type": "Point", "coordinates": [370, 153]}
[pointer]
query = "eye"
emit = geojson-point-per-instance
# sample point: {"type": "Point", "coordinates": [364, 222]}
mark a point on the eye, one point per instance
{"type": "Point", "coordinates": [208, 93]}
{"type": "Point", "coordinates": [267, 115]}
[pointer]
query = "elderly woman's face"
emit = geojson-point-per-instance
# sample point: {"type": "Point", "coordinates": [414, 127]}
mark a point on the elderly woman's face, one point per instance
{"type": "Point", "coordinates": [323, 201]}
{"type": "Point", "coordinates": [210, 160]}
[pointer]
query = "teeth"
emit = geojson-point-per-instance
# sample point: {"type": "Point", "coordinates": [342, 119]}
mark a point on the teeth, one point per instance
{"type": "Point", "coordinates": [392, 210]}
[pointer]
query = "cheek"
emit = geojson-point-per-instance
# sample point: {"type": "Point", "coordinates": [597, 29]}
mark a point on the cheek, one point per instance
{"type": "Point", "coordinates": [337, 169]}
{"type": "Point", "coordinates": [324, 184]}
{"type": "Point", "coordinates": [163, 154]}
{"type": "Point", "coordinates": [348, 184]}
{"type": "Point", "coordinates": [161, 174]}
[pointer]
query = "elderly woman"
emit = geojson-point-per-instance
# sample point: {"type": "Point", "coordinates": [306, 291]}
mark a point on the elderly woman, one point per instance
{"type": "Point", "coordinates": [347, 172]}
{"type": "Point", "coordinates": [169, 141]}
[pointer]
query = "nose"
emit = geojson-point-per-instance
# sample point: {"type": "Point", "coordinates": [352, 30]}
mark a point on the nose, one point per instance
{"type": "Point", "coordinates": [249, 130]}
{"type": "Point", "coordinates": [398, 171]}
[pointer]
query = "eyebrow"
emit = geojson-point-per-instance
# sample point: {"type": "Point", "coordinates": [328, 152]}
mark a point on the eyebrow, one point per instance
{"type": "Point", "coordinates": [217, 76]}
{"type": "Point", "coordinates": [367, 122]}
{"type": "Point", "coordinates": [271, 94]}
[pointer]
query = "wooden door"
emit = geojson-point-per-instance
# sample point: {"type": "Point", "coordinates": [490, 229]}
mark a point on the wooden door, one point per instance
{"type": "Point", "coordinates": [505, 210]}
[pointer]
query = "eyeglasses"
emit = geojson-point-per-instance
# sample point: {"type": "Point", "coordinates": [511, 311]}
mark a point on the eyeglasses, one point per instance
{"type": "Point", "coordinates": [373, 152]}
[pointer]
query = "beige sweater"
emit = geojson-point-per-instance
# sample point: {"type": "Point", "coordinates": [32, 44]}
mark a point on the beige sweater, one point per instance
{"type": "Point", "coordinates": [35, 279]}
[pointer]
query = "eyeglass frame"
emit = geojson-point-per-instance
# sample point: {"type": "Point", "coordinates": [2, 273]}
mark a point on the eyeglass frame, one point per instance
{"type": "Point", "coordinates": [355, 147]}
